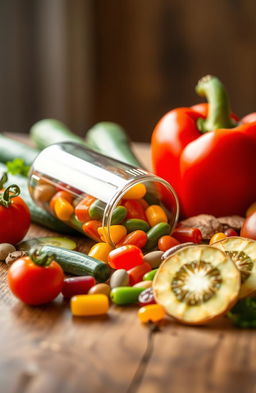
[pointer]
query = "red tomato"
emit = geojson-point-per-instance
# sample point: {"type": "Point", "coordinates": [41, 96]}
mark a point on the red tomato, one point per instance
{"type": "Point", "coordinates": [35, 284]}
{"type": "Point", "coordinates": [125, 257]}
{"type": "Point", "coordinates": [14, 218]}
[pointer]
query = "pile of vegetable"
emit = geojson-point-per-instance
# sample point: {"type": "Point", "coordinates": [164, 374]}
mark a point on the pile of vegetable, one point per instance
{"type": "Point", "coordinates": [204, 269]}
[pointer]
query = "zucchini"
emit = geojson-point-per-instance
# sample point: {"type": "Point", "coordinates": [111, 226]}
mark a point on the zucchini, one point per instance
{"type": "Point", "coordinates": [110, 139]}
{"type": "Point", "coordinates": [77, 263]}
{"type": "Point", "coordinates": [38, 242]}
{"type": "Point", "coordinates": [11, 149]}
{"type": "Point", "coordinates": [38, 215]}
{"type": "Point", "coordinates": [48, 131]}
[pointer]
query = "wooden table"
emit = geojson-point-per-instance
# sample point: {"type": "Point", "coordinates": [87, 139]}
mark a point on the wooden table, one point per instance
{"type": "Point", "coordinates": [45, 349]}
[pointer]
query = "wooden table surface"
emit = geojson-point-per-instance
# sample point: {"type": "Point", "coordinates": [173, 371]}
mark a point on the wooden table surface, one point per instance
{"type": "Point", "coordinates": [45, 349]}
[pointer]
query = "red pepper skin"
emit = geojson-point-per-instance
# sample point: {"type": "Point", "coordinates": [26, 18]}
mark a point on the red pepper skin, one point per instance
{"type": "Point", "coordinates": [212, 173]}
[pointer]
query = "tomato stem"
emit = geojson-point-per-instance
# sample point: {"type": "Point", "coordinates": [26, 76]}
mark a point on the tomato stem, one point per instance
{"type": "Point", "coordinates": [43, 259]}
{"type": "Point", "coordinates": [219, 106]}
{"type": "Point", "coordinates": [9, 193]}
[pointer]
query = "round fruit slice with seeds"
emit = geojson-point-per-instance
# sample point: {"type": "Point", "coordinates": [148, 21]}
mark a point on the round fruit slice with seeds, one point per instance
{"type": "Point", "coordinates": [197, 284]}
{"type": "Point", "coordinates": [243, 253]}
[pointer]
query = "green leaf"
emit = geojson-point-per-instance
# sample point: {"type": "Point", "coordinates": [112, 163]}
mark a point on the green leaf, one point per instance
{"type": "Point", "coordinates": [18, 167]}
{"type": "Point", "coordinates": [243, 314]}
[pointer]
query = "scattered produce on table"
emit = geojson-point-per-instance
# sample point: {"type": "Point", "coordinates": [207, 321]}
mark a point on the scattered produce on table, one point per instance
{"type": "Point", "coordinates": [193, 148]}
{"type": "Point", "coordinates": [141, 260]}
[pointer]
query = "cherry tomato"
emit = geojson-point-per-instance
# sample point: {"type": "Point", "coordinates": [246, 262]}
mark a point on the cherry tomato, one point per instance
{"type": "Point", "coordinates": [166, 242]}
{"type": "Point", "coordinates": [35, 284]}
{"type": "Point", "coordinates": [125, 257]}
{"type": "Point", "coordinates": [14, 216]}
{"type": "Point", "coordinates": [230, 232]}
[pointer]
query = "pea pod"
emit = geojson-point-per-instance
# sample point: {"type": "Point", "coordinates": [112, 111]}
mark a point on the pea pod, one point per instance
{"type": "Point", "coordinates": [149, 275]}
{"type": "Point", "coordinates": [135, 224]}
{"type": "Point", "coordinates": [125, 295]}
{"type": "Point", "coordinates": [155, 233]}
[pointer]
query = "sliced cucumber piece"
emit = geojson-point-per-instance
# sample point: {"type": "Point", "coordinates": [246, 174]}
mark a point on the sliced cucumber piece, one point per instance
{"type": "Point", "coordinates": [37, 243]}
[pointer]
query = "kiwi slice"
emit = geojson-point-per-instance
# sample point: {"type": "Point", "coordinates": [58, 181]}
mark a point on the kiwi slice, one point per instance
{"type": "Point", "coordinates": [196, 284]}
{"type": "Point", "coordinates": [38, 242]}
{"type": "Point", "coordinates": [243, 253]}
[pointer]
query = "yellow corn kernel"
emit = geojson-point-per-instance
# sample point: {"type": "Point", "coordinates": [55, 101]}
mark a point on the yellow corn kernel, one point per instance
{"type": "Point", "coordinates": [86, 305]}
{"type": "Point", "coordinates": [218, 236]}
{"type": "Point", "coordinates": [117, 233]}
{"type": "Point", "coordinates": [136, 192]}
{"type": "Point", "coordinates": [63, 209]}
{"type": "Point", "coordinates": [100, 251]}
{"type": "Point", "coordinates": [155, 214]}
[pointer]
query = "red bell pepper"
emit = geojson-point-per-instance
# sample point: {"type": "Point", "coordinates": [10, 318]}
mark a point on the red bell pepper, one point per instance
{"type": "Point", "coordinates": [207, 155]}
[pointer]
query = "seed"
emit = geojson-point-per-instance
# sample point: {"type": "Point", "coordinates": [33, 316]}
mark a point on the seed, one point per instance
{"type": "Point", "coordinates": [196, 282]}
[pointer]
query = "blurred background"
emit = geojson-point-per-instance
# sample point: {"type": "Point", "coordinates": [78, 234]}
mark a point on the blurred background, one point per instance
{"type": "Point", "coordinates": [128, 61]}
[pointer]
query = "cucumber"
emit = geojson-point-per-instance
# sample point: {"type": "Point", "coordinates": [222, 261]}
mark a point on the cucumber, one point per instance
{"type": "Point", "coordinates": [48, 131]}
{"type": "Point", "coordinates": [11, 149]}
{"type": "Point", "coordinates": [110, 139]}
{"type": "Point", "coordinates": [38, 215]}
{"type": "Point", "coordinates": [77, 263]}
{"type": "Point", "coordinates": [38, 242]}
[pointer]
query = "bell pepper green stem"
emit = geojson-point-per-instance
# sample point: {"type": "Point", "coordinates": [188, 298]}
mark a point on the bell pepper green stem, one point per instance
{"type": "Point", "coordinates": [10, 192]}
{"type": "Point", "coordinates": [219, 107]}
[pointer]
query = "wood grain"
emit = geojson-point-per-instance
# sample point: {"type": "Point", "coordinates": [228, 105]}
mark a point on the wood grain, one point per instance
{"type": "Point", "coordinates": [45, 349]}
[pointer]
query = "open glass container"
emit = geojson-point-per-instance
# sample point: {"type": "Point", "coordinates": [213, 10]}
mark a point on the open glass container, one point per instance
{"type": "Point", "coordinates": [76, 174]}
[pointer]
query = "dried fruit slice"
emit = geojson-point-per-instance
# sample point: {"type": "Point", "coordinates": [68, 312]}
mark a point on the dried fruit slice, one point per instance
{"type": "Point", "coordinates": [197, 284]}
{"type": "Point", "coordinates": [243, 253]}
